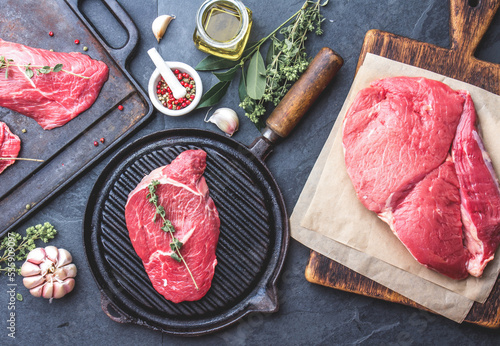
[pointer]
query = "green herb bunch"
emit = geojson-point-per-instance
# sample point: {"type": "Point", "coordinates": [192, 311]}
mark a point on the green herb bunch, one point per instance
{"type": "Point", "coordinates": [268, 81]}
{"type": "Point", "coordinates": [175, 244]}
{"type": "Point", "coordinates": [21, 246]}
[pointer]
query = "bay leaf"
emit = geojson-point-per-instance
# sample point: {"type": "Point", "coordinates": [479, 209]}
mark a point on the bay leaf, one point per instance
{"type": "Point", "coordinates": [271, 53]}
{"type": "Point", "coordinates": [213, 63]}
{"type": "Point", "coordinates": [242, 87]}
{"type": "Point", "coordinates": [227, 75]}
{"type": "Point", "coordinates": [256, 80]}
{"type": "Point", "coordinates": [214, 95]}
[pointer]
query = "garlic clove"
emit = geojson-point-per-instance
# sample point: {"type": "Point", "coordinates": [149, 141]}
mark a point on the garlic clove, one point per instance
{"type": "Point", "coordinates": [160, 25]}
{"type": "Point", "coordinates": [52, 253]}
{"type": "Point", "coordinates": [59, 290]}
{"type": "Point", "coordinates": [30, 269]}
{"type": "Point", "coordinates": [69, 284]}
{"type": "Point", "coordinates": [37, 291]}
{"type": "Point", "coordinates": [36, 256]}
{"type": "Point", "coordinates": [68, 271]}
{"type": "Point", "coordinates": [60, 274]}
{"type": "Point", "coordinates": [48, 290]}
{"type": "Point", "coordinates": [33, 281]}
{"type": "Point", "coordinates": [64, 258]}
{"type": "Point", "coordinates": [226, 119]}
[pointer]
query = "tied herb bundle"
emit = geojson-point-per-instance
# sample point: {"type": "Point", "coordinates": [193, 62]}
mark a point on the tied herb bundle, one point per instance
{"type": "Point", "coordinates": [175, 244]}
{"type": "Point", "coordinates": [268, 81]}
{"type": "Point", "coordinates": [16, 247]}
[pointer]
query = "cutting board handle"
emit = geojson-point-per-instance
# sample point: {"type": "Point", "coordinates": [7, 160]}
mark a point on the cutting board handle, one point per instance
{"type": "Point", "coordinates": [304, 92]}
{"type": "Point", "coordinates": [469, 20]}
{"type": "Point", "coordinates": [121, 54]}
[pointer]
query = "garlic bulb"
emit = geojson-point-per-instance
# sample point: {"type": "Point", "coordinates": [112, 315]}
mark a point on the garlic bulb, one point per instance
{"type": "Point", "coordinates": [226, 119]}
{"type": "Point", "coordinates": [48, 272]}
{"type": "Point", "coordinates": [160, 25]}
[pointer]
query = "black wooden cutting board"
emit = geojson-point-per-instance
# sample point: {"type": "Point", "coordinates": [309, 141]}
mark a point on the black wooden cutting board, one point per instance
{"type": "Point", "coordinates": [469, 21]}
{"type": "Point", "coordinates": [69, 150]}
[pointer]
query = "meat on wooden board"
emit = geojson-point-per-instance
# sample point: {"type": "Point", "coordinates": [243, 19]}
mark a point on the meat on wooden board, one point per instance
{"type": "Point", "coordinates": [397, 138]}
{"type": "Point", "coordinates": [184, 194]}
{"type": "Point", "coordinates": [54, 98]}
{"type": "Point", "coordinates": [479, 190]}
{"type": "Point", "coordinates": [10, 144]}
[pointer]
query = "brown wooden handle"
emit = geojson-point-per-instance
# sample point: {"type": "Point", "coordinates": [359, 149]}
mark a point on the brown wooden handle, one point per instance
{"type": "Point", "coordinates": [304, 92]}
{"type": "Point", "coordinates": [469, 20]}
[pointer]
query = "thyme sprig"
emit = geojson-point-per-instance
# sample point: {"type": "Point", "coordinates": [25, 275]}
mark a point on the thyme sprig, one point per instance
{"type": "Point", "coordinates": [39, 69]}
{"type": "Point", "coordinates": [175, 244]}
{"type": "Point", "coordinates": [15, 246]}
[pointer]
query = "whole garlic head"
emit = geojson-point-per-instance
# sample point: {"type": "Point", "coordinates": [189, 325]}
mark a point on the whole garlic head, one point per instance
{"type": "Point", "coordinates": [48, 272]}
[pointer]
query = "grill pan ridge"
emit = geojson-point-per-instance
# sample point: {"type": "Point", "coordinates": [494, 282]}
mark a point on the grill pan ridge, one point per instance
{"type": "Point", "coordinates": [252, 243]}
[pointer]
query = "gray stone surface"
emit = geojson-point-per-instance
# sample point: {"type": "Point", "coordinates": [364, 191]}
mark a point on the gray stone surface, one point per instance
{"type": "Point", "coordinates": [309, 314]}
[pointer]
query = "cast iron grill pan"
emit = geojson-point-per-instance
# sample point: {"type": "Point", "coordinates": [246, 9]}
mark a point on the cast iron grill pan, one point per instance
{"type": "Point", "coordinates": [254, 230]}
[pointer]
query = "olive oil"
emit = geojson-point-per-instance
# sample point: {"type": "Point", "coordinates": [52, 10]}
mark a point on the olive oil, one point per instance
{"type": "Point", "coordinates": [222, 22]}
{"type": "Point", "coordinates": [222, 28]}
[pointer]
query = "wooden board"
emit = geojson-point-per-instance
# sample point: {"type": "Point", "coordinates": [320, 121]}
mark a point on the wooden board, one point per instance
{"type": "Point", "coordinates": [467, 26]}
{"type": "Point", "coordinates": [68, 150]}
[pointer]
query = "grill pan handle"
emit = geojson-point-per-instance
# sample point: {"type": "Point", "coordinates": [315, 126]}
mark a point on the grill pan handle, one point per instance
{"type": "Point", "coordinates": [121, 54]}
{"type": "Point", "coordinates": [106, 304]}
{"type": "Point", "coordinates": [297, 101]}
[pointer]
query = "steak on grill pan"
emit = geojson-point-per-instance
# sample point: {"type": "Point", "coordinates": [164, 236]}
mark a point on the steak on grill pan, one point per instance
{"type": "Point", "coordinates": [184, 195]}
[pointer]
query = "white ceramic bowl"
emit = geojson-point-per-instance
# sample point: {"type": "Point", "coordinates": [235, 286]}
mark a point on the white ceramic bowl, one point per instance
{"type": "Point", "coordinates": [155, 78]}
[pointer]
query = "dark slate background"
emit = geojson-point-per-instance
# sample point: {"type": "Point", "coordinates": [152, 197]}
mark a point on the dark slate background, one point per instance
{"type": "Point", "coordinates": [309, 314]}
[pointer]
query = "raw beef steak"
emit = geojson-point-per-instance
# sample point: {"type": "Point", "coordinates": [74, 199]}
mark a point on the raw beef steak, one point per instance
{"type": "Point", "coordinates": [54, 98]}
{"type": "Point", "coordinates": [479, 191]}
{"type": "Point", "coordinates": [183, 193]}
{"type": "Point", "coordinates": [10, 145]}
{"type": "Point", "coordinates": [397, 138]}
{"type": "Point", "coordinates": [395, 132]}
{"type": "Point", "coordinates": [429, 223]}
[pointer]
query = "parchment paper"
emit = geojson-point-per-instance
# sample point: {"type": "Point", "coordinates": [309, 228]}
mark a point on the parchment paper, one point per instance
{"type": "Point", "coordinates": [333, 222]}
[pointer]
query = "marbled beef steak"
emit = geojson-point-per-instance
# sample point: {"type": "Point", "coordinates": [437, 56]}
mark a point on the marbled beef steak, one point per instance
{"type": "Point", "coordinates": [54, 98]}
{"type": "Point", "coordinates": [183, 193]}
{"type": "Point", "coordinates": [443, 203]}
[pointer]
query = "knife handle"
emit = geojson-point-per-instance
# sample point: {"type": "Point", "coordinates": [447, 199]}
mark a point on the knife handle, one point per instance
{"type": "Point", "coordinates": [303, 94]}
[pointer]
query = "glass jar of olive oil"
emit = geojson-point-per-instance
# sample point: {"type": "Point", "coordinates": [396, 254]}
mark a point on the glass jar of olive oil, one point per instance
{"type": "Point", "coordinates": [222, 28]}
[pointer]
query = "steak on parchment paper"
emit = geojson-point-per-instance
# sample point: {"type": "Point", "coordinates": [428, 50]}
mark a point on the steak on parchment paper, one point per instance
{"type": "Point", "coordinates": [10, 144]}
{"type": "Point", "coordinates": [441, 202]}
{"type": "Point", "coordinates": [183, 192]}
{"type": "Point", "coordinates": [479, 190]}
{"type": "Point", "coordinates": [54, 98]}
